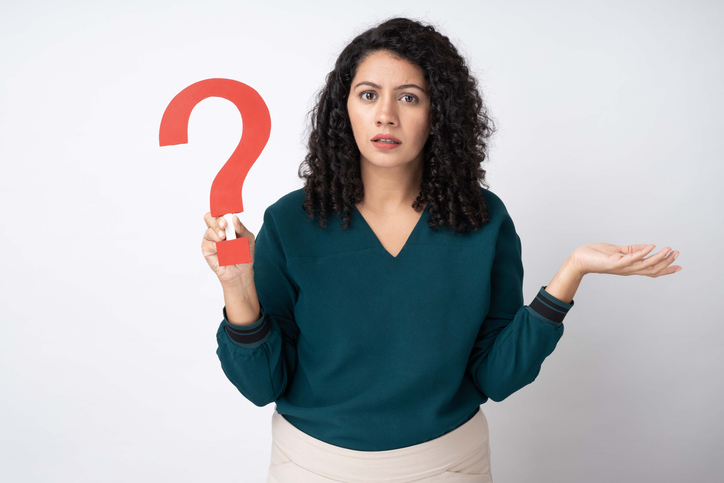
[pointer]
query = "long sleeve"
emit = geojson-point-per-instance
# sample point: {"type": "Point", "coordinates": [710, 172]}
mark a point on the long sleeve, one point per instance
{"type": "Point", "coordinates": [260, 359]}
{"type": "Point", "coordinates": [514, 339]}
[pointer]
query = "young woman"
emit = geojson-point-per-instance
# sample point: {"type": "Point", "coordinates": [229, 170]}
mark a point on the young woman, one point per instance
{"type": "Point", "coordinates": [383, 304]}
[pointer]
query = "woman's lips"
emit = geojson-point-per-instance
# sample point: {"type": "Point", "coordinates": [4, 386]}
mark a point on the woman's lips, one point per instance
{"type": "Point", "coordinates": [385, 141]}
{"type": "Point", "coordinates": [385, 145]}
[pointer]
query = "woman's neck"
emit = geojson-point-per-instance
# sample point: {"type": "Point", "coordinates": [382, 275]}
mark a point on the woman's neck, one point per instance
{"type": "Point", "coordinates": [390, 190]}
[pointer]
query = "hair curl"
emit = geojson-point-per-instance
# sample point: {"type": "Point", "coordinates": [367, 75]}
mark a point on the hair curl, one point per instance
{"type": "Point", "coordinates": [452, 172]}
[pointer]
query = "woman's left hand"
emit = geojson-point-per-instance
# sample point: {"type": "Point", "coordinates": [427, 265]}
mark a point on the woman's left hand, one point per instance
{"type": "Point", "coordinates": [624, 260]}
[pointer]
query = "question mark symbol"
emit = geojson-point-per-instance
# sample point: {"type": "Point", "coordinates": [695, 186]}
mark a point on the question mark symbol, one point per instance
{"type": "Point", "coordinates": [226, 188]}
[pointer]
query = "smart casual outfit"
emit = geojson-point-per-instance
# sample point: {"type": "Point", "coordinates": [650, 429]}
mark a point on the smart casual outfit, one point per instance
{"type": "Point", "coordinates": [369, 353]}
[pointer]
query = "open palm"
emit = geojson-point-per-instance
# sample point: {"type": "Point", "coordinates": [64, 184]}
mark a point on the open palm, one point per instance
{"type": "Point", "coordinates": [624, 260]}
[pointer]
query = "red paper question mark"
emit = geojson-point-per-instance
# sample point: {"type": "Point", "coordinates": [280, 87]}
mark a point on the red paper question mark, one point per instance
{"type": "Point", "coordinates": [227, 186]}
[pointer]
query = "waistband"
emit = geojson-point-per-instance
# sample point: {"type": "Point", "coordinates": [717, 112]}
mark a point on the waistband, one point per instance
{"type": "Point", "coordinates": [404, 464]}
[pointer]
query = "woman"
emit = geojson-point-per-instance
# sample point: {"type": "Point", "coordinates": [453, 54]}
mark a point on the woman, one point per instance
{"type": "Point", "coordinates": [380, 336]}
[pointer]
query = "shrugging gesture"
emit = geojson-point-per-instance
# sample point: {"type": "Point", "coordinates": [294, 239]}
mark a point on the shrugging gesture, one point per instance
{"type": "Point", "coordinates": [612, 259]}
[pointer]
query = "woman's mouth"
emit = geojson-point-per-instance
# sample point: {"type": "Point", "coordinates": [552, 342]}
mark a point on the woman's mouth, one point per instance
{"type": "Point", "coordinates": [385, 141]}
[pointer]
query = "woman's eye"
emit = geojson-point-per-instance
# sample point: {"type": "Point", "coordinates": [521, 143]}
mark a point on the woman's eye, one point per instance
{"type": "Point", "coordinates": [369, 96]}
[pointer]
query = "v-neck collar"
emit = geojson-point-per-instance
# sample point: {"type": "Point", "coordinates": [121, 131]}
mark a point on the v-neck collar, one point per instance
{"type": "Point", "coordinates": [416, 228]}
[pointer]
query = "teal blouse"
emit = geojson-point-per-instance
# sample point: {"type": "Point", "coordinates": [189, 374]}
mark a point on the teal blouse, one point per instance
{"type": "Point", "coordinates": [372, 352]}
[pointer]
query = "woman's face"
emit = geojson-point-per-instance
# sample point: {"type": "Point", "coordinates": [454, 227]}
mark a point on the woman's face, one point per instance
{"type": "Point", "coordinates": [389, 97]}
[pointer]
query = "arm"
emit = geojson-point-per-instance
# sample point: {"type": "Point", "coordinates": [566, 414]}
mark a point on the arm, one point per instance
{"type": "Point", "coordinates": [512, 342]}
{"type": "Point", "coordinates": [611, 259]}
{"type": "Point", "coordinates": [260, 358]}
{"type": "Point", "coordinates": [514, 339]}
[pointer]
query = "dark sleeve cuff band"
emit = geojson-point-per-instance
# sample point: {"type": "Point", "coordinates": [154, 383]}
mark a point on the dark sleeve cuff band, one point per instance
{"type": "Point", "coordinates": [550, 308]}
{"type": "Point", "coordinates": [248, 335]}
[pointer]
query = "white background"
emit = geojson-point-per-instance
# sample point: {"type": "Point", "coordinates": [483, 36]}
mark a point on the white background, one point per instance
{"type": "Point", "coordinates": [610, 129]}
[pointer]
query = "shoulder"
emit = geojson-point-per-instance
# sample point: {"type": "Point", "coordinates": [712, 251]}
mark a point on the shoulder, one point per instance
{"type": "Point", "coordinates": [292, 199]}
{"type": "Point", "coordinates": [281, 224]}
{"type": "Point", "coordinates": [286, 208]}
{"type": "Point", "coordinates": [495, 205]}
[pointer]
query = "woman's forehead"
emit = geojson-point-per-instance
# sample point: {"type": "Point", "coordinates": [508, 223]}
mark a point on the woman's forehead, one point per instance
{"type": "Point", "coordinates": [385, 67]}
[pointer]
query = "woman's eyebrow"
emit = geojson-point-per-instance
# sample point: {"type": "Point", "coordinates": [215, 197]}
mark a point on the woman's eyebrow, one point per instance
{"type": "Point", "coordinates": [404, 86]}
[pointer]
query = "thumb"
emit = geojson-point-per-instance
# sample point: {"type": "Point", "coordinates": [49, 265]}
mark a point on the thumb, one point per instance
{"type": "Point", "coordinates": [241, 230]}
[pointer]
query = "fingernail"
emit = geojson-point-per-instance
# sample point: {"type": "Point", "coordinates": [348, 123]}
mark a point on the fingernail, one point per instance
{"type": "Point", "coordinates": [677, 270]}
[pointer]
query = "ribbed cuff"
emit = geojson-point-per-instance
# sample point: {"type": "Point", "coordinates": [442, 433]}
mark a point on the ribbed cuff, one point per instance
{"type": "Point", "coordinates": [248, 336]}
{"type": "Point", "coordinates": [547, 307]}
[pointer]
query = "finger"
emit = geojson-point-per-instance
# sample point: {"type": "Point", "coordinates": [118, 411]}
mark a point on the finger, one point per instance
{"type": "Point", "coordinates": [219, 233]}
{"type": "Point", "coordinates": [213, 223]}
{"type": "Point", "coordinates": [675, 268]}
{"type": "Point", "coordinates": [221, 227]}
{"type": "Point", "coordinates": [637, 255]}
{"type": "Point", "coordinates": [208, 248]}
{"type": "Point", "coordinates": [660, 272]}
{"type": "Point", "coordinates": [671, 256]}
{"type": "Point", "coordinates": [652, 261]}
{"type": "Point", "coordinates": [663, 268]}
{"type": "Point", "coordinates": [654, 265]}
{"type": "Point", "coordinates": [238, 227]}
{"type": "Point", "coordinates": [212, 235]}
{"type": "Point", "coordinates": [210, 220]}
{"type": "Point", "coordinates": [634, 263]}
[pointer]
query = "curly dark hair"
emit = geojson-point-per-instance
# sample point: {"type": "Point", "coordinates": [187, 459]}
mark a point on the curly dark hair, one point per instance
{"type": "Point", "coordinates": [452, 172]}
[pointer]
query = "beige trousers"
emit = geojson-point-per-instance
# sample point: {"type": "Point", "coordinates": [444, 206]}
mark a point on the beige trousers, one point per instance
{"type": "Point", "coordinates": [462, 455]}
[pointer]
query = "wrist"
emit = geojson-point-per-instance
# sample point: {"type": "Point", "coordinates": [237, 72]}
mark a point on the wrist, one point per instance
{"type": "Point", "coordinates": [566, 281]}
{"type": "Point", "coordinates": [240, 285]}
{"type": "Point", "coordinates": [572, 269]}
{"type": "Point", "coordinates": [242, 307]}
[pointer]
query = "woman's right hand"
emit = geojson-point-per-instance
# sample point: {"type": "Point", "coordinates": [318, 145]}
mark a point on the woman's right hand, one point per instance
{"type": "Point", "coordinates": [241, 275]}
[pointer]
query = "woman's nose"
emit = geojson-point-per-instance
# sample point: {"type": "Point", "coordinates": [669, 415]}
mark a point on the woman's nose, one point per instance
{"type": "Point", "coordinates": [386, 111]}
